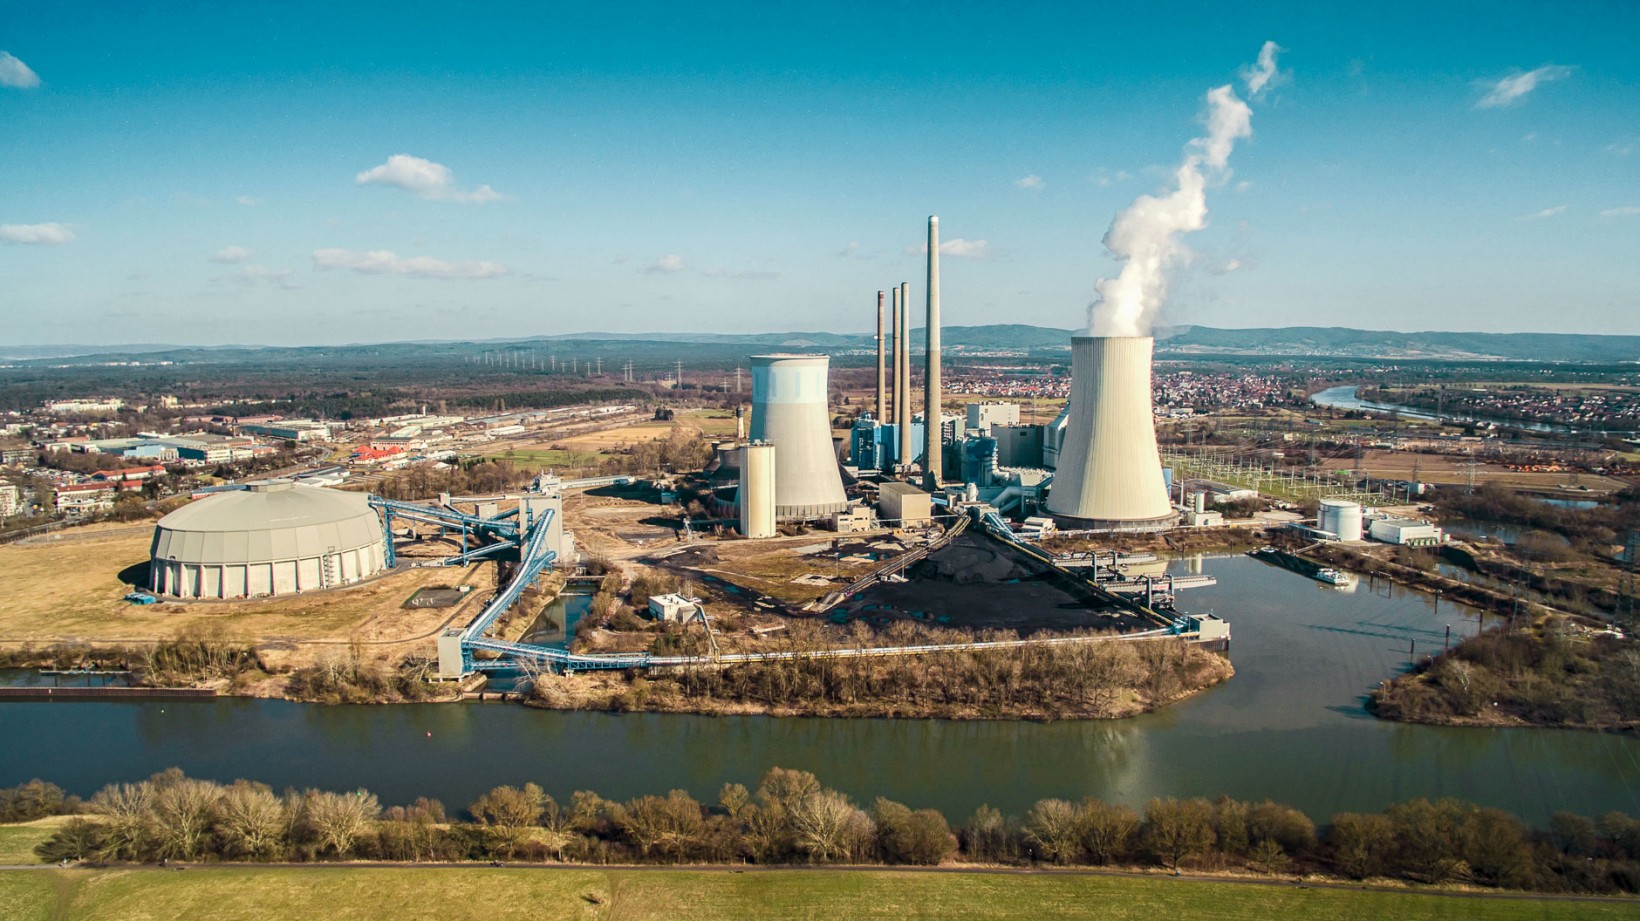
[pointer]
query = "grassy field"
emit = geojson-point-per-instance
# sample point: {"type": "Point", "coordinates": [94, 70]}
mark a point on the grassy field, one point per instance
{"type": "Point", "coordinates": [70, 590]}
{"type": "Point", "coordinates": [487, 894]}
{"type": "Point", "coordinates": [551, 457]}
{"type": "Point", "coordinates": [17, 841]}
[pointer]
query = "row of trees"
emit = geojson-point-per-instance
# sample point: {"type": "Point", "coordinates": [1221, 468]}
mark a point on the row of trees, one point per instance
{"type": "Point", "coordinates": [792, 818]}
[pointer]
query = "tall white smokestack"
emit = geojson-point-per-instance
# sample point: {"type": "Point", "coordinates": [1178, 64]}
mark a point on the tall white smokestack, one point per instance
{"type": "Point", "coordinates": [904, 408]}
{"type": "Point", "coordinates": [1110, 474]}
{"type": "Point", "coordinates": [882, 400]}
{"type": "Point", "coordinates": [896, 320]}
{"type": "Point", "coordinates": [934, 447]}
{"type": "Point", "coordinates": [790, 409]}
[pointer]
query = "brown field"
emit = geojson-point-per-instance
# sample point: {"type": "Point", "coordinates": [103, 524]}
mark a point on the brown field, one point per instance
{"type": "Point", "coordinates": [1435, 468]}
{"type": "Point", "coordinates": [69, 591]}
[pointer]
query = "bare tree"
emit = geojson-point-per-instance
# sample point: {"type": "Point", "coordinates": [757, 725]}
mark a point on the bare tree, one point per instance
{"type": "Point", "coordinates": [1108, 830]}
{"type": "Point", "coordinates": [250, 821]}
{"type": "Point", "coordinates": [127, 810]}
{"type": "Point", "coordinates": [509, 812]}
{"type": "Point", "coordinates": [1053, 829]}
{"type": "Point", "coordinates": [339, 819]}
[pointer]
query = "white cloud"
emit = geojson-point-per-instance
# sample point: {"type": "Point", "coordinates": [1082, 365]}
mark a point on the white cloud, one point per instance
{"type": "Point", "coordinates": [52, 234]}
{"type": "Point", "coordinates": [432, 181]}
{"type": "Point", "coordinates": [385, 262]}
{"type": "Point", "coordinates": [1105, 178]}
{"type": "Point", "coordinates": [1625, 211]}
{"type": "Point", "coordinates": [1544, 214]}
{"type": "Point", "coordinates": [254, 274]}
{"type": "Point", "coordinates": [16, 74]}
{"type": "Point", "coordinates": [666, 265]}
{"type": "Point", "coordinates": [1512, 89]}
{"type": "Point", "coordinates": [1032, 183]}
{"type": "Point", "coordinates": [747, 275]}
{"type": "Point", "coordinates": [1232, 265]}
{"type": "Point", "coordinates": [231, 254]}
{"type": "Point", "coordinates": [1263, 75]}
{"type": "Point", "coordinates": [1620, 150]}
{"type": "Point", "coordinates": [247, 201]}
{"type": "Point", "coordinates": [958, 247]}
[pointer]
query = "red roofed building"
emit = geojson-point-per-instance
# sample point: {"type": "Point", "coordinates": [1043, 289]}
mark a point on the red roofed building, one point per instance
{"type": "Point", "coordinates": [129, 474]}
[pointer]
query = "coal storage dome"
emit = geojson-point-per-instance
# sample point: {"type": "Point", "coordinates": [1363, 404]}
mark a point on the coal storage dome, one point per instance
{"type": "Point", "coordinates": [275, 537]}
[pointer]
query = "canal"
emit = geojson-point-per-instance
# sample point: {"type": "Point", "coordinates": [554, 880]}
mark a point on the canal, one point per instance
{"type": "Point", "coordinates": [1289, 727]}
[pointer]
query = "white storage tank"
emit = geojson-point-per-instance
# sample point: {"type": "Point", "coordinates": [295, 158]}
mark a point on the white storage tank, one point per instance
{"type": "Point", "coordinates": [1341, 517]}
{"type": "Point", "coordinates": [274, 538]}
{"type": "Point", "coordinates": [757, 473]}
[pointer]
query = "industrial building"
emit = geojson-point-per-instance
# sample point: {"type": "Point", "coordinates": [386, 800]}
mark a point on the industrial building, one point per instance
{"type": "Point", "coordinates": [1109, 474]}
{"type": "Point", "coordinates": [672, 608]}
{"type": "Point", "coordinates": [274, 538]}
{"type": "Point", "coordinates": [904, 505]}
{"type": "Point", "coordinates": [791, 410]}
{"type": "Point", "coordinates": [983, 415]}
{"type": "Point", "coordinates": [1018, 445]}
{"type": "Point", "coordinates": [1406, 532]}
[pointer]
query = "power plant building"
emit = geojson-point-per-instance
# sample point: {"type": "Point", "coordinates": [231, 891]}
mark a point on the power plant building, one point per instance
{"type": "Point", "coordinates": [1109, 474]}
{"type": "Point", "coordinates": [791, 410]}
{"type": "Point", "coordinates": [903, 505]}
{"type": "Point", "coordinates": [274, 538]}
{"type": "Point", "coordinates": [1018, 445]}
{"type": "Point", "coordinates": [982, 416]}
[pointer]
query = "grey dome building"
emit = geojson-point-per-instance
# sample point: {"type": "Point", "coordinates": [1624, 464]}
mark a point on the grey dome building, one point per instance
{"type": "Point", "coordinates": [274, 538]}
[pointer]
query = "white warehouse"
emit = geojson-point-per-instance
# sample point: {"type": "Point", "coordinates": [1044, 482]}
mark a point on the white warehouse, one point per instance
{"type": "Point", "coordinates": [274, 538]}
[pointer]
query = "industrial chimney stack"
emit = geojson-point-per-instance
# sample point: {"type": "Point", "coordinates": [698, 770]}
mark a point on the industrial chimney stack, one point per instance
{"type": "Point", "coordinates": [902, 406]}
{"type": "Point", "coordinates": [882, 401]}
{"type": "Point", "coordinates": [1110, 473]}
{"type": "Point", "coordinates": [935, 451]}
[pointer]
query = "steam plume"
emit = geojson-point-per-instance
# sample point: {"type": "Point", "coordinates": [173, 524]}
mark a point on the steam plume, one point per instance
{"type": "Point", "coordinates": [1145, 236]}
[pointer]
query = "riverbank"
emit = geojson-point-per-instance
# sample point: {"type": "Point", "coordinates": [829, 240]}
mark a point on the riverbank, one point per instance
{"type": "Point", "coordinates": [1102, 680]}
{"type": "Point", "coordinates": [452, 894]}
{"type": "Point", "coordinates": [1555, 673]}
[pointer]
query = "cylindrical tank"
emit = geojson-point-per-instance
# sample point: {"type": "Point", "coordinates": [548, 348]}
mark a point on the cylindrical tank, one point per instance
{"type": "Point", "coordinates": [757, 490]}
{"type": "Point", "coordinates": [1110, 473]}
{"type": "Point", "coordinates": [789, 410]}
{"type": "Point", "coordinates": [1198, 502]}
{"type": "Point", "coordinates": [1341, 517]}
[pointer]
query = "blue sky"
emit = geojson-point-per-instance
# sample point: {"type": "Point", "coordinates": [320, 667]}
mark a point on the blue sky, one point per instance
{"type": "Point", "coordinates": [220, 172]}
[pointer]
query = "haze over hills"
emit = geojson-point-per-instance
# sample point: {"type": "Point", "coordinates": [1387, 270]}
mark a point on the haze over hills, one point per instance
{"type": "Point", "coordinates": [1296, 341]}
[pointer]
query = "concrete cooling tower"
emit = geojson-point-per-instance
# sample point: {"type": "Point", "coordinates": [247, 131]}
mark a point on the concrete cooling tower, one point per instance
{"type": "Point", "coordinates": [1109, 474]}
{"type": "Point", "coordinates": [790, 410]}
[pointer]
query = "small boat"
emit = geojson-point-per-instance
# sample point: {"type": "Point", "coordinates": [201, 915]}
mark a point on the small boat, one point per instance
{"type": "Point", "coordinates": [1334, 577]}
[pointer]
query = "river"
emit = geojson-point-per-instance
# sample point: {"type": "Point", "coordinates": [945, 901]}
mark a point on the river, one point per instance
{"type": "Point", "coordinates": [1289, 727]}
{"type": "Point", "coordinates": [1347, 398]}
